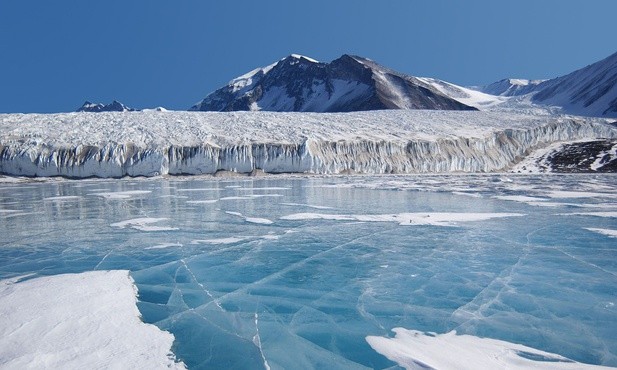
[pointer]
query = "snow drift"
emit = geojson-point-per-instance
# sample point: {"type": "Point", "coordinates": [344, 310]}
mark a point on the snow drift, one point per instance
{"type": "Point", "coordinates": [114, 144]}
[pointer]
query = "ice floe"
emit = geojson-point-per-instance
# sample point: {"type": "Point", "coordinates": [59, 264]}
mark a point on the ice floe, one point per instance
{"type": "Point", "coordinates": [79, 321]}
{"type": "Point", "coordinates": [413, 349]}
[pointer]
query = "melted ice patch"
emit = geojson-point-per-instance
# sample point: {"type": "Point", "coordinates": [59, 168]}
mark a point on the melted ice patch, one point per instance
{"type": "Point", "coordinates": [254, 220]}
{"type": "Point", "coordinates": [608, 232]}
{"type": "Point", "coordinates": [63, 198]}
{"type": "Point", "coordinates": [143, 224]}
{"type": "Point", "coordinates": [413, 349]}
{"type": "Point", "coordinates": [520, 198]}
{"type": "Point", "coordinates": [122, 194]}
{"type": "Point", "coordinates": [164, 246]}
{"type": "Point", "coordinates": [230, 240]}
{"type": "Point", "coordinates": [578, 194]}
{"type": "Point", "coordinates": [595, 214]}
{"type": "Point", "coordinates": [79, 321]}
{"type": "Point", "coordinates": [198, 189]}
{"type": "Point", "coordinates": [236, 198]}
{"type": "Point", "coordinates": [414, 219]}
{"type": "Point", "coordinates": [306, 205]}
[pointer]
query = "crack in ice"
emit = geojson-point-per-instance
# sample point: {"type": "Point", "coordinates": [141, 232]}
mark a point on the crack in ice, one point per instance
{"type": "Point", "coordinates": [203, 287]}
{"type": "Point", "coordinates": [257, 342]}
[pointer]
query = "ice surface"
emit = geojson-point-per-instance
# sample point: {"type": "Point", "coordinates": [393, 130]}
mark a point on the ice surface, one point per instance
{"type": "Point", "coordinates": [306, 292]}
{"type": "Point", "coordinates": [78, 321]}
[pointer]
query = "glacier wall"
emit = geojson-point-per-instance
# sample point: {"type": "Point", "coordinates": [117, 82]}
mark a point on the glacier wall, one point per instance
{"type": "Point", "coordinates": [494, 150]}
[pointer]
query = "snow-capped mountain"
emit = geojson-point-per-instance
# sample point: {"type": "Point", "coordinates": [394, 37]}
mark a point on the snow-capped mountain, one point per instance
{"type": "Point", "coordinates": [589, 91]}
{"type": "Point", "coordinates": [510, 87]}
{"type": "Point", "coordinates": [349, 83]}
{"type": "Point", "coordinates": [114, 106]}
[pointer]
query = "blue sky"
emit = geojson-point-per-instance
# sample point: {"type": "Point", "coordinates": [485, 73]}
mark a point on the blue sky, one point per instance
{"type": "Point", "coordinates": [56, 54]}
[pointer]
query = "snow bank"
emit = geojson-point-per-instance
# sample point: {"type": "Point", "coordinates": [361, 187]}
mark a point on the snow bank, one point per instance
{"type": "Point", "coordinates": [78, 321]}
{"type": "Point", "coordinates": [412, 349]}
{"type": "Point", "coordinates": [117, 144]}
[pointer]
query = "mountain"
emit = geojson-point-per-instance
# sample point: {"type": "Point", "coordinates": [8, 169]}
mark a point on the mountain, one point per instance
{"type": "Point", "coordinates": [589, 91]}
{"type": "Point", "coordinates": [510, 87]}
{"type": "Point", "coordinates": [114, 106]}
{"type": "Point", "coordinates": [350, 83]}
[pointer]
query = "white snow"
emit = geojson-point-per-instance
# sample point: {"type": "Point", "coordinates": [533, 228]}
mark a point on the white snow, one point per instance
{"type": "Point", "coordinates": [406, 219]}
{"type": "Point", "coordinates": [253, 220]}
{"type": "Point", "coordinates": [413, 349]}
{"type": "Point", "coordinates": [143, 224]}
{"type": "Point", "coordinates": [64, 198]}
{"type": "Point", "coordinates": [78, 321]}
{"type": "Point", "coordinates": [298, 56]}
{"type": "Point", "coordinates": [258, 220]}
{"type": "Point", "coordinates": [114, 144]}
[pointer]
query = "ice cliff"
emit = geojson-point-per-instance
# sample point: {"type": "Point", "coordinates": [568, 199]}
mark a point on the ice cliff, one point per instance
{"type": "Point", "coordinates": [114, 144]}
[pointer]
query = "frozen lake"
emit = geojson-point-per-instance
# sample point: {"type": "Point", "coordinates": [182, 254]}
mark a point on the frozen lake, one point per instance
{"type": "Point", "coordinates": [288, 272]}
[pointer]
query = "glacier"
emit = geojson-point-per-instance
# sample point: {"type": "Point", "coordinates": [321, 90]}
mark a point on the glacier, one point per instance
{"type": "Point", "coordinates": [117, 144]}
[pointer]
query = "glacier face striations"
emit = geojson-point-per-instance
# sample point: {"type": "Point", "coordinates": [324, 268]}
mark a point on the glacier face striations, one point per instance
{"type": "Point", "coordinates": [113, 144]}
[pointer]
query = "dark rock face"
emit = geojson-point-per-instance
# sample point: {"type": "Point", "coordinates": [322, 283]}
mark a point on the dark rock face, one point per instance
{"type": "Point", "coordinates": [114, 106]}
{"type": "Point", "coordinates": [349, 83]}
{"type": "Point", "coordinates": [591, 156]}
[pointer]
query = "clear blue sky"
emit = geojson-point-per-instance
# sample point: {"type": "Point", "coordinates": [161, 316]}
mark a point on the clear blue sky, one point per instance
{"type": "Point", "coordinates": [171, 53]}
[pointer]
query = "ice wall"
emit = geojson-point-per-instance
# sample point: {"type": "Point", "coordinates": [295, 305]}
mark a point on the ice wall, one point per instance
{"type": "Point", "coordinates": [347, 150]}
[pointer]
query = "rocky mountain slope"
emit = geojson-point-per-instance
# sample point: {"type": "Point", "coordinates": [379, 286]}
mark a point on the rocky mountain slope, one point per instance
{"type": "Point", "coordinates": [349, 83]}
